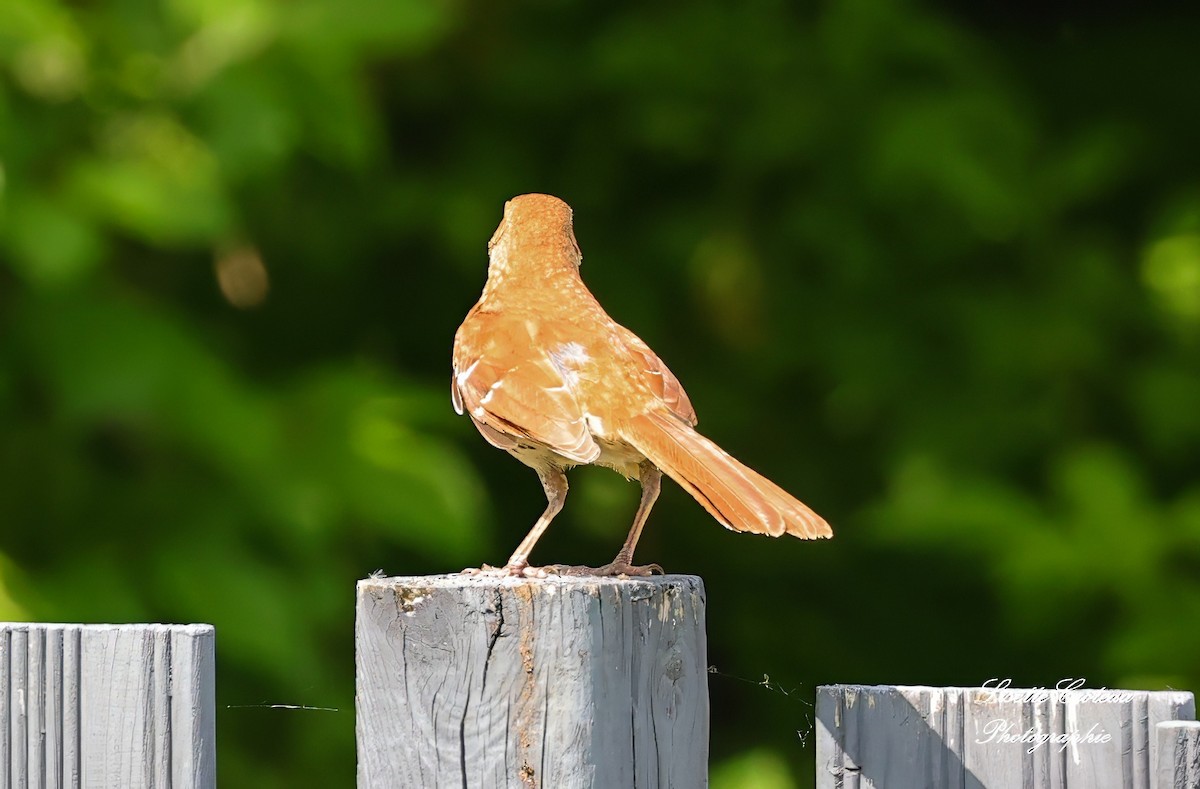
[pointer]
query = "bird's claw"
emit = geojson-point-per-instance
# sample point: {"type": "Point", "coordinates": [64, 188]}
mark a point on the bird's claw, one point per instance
{"type": "Point", "coordinates": [507, 571]}
{"type": "Point", "coordinates": [615, 569]}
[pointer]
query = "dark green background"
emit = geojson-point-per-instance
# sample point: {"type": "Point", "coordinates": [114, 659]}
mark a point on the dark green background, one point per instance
{"type": "Point", "coordinates": [933, 268]}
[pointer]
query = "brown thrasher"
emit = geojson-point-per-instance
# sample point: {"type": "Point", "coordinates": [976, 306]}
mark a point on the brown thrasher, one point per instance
{"type": "Point", "coordinates": [545, 374]}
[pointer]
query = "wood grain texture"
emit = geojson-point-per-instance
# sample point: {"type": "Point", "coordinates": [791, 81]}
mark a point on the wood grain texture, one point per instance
{"type": "Point", "coordinates": [1178, 761]}
{"type": "Point", "coordinates": [507, 682]}
{"type": "Point", "coordinates": [972, 738]}
{"type": "Point", "coordinates": [107, 706]}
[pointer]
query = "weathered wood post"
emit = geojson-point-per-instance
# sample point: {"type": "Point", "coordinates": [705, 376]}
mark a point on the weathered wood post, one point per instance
{"type": "Point", "coordinates": [1178, 755]}
{"type": "Point", "coordinates": [107, 705]}
{"type": "Point", "coordinates": [558, 682]}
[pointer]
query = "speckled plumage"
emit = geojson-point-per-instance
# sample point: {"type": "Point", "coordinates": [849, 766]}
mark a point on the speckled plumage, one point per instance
{"type": "Point", "coordinates": [545, 374]}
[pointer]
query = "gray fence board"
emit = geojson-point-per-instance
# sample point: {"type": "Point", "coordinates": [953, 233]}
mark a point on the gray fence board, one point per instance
{"type": "Point", "coordinates": [126, 706]}
{"type": "Point", "coordinates": [1178, 762]}
{"type": "Point", "coordinates": [977, 738]}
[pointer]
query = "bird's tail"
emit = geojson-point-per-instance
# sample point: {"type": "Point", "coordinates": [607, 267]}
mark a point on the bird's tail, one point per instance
{"type": "Point", "coordinates": [740, 498]}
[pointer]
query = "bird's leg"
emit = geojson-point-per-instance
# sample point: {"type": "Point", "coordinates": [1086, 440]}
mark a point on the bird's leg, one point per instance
{"type": "Point", "coordinates": [554, 481]}
{"type": "Point", "coordinates": [651, 479]}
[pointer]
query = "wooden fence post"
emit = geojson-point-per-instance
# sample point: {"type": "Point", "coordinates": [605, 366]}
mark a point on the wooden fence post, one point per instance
{"type": "Point", "coordinates": [107, 705]}
{"type": "Point", "coordinates": [984, 738]}
{"type": "Point", "coordinates": [1178, 765]}
{"type": "Point", "coordinates": [556, 683]}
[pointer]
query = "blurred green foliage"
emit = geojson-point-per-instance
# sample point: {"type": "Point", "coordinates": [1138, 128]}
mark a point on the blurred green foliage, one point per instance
{"type": "Point", "coordinates": [934, 268]}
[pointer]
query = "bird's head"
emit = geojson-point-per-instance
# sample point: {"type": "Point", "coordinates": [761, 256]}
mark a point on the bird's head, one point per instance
{"type": "Point", "coordinates": [538, 224]}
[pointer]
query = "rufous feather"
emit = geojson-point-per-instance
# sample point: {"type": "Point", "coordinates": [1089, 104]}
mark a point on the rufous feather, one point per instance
{"type": "Point", "coordinates": [736, 495]}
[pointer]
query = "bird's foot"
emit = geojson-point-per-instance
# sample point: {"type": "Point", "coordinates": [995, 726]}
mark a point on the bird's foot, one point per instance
{"type": "Point", "coordinates": [510, 570]}
{"type": "Point", "coordinates": [612, 569]}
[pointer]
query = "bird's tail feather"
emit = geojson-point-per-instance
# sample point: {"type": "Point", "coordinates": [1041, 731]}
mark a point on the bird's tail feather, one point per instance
{"type": "Point", "coordinates": [737, 496]}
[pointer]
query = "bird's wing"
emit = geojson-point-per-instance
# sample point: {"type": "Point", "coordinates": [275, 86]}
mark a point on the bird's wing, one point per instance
{"type": "Point", "coordinates": [662, 382]}
{"type": "Point", "coordinates": [512, 388]}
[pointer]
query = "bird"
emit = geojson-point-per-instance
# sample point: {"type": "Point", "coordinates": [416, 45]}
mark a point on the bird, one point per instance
{"type": "Point", "coordinates": [545, 374]}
